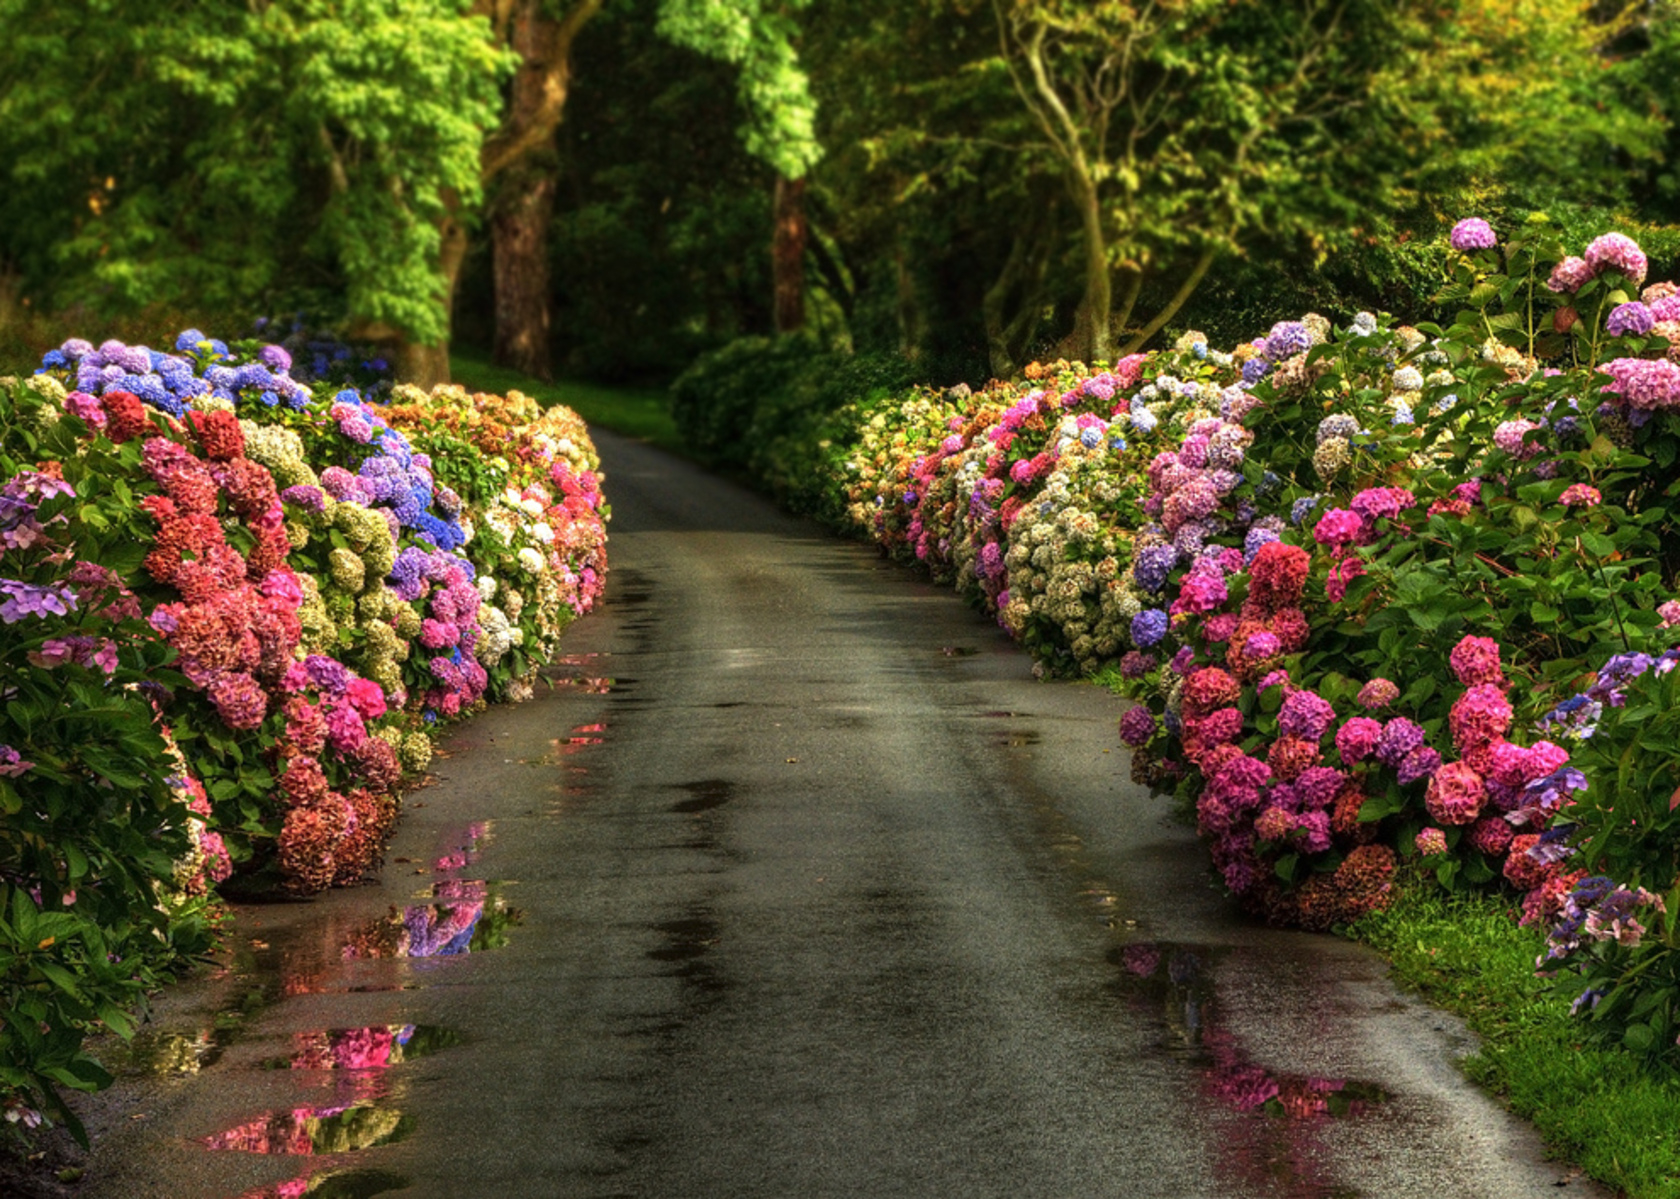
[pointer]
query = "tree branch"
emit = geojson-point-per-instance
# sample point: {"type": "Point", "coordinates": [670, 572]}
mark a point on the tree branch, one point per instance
{"type": "Point", "coordinates": [540, 87]}
{"type": "Point", "coordinates": [1184, 292]}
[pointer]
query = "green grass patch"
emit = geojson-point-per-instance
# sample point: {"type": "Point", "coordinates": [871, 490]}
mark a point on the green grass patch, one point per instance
{"type": "Point", "coordinates": [642, 413]}
{"type": "Point", "coordinates": [1595, 1107]}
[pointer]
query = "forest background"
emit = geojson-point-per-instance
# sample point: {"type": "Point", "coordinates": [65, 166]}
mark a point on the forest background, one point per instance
{"type": "Point", "coordinates": [947, 189]}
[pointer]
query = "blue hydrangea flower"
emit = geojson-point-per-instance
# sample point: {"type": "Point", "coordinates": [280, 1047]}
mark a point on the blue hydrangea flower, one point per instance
{"type": "Point", "coordinates": [188, 340]}
{"type": "Point", "coordinates": [1254, 539]}
{"type": "Point", "coordinates": [1255, 370]}
{"type": "Point", "coordinates": [1091, 438]}
{"type": "Point", "coordinates": [1149, 627]}
{"type": "Point", "coordinates": [53, 359]}
{"type": "Point", "coordinates": [1302, 508]}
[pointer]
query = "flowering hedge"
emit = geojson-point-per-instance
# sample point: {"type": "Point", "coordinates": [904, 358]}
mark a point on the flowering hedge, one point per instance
{"type": "Point", "coordinates": [235, 610]}
{"type": "Point", "coordinates": [1355, 578]}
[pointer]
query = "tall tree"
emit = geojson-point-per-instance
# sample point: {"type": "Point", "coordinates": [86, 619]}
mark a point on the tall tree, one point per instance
{"type": "Point", "coordinates": [518, 164]}
{"type": "Point", "coordinates": [203, 156]}
{"type": "Point", "coordinates": [759, 38]}
{"type": "Point", "coordinates": [1178, 125]}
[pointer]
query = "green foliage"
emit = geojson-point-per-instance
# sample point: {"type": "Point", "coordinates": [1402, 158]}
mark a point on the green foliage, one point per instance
{"type": "Point", "coordinates": [759, 40]}
{"type": "Point", "coordinates": [1592, 1105]}
{"type": "Point", "coordinates": [744, 404]}
{"type": "Point", "coordinates": [222, 151]}
{"type": "Point", "coordinates": [90, 832]}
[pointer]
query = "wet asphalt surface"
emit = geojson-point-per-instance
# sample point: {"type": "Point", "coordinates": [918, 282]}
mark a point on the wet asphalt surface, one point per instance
{"type": "Point", "coordinates": [796, 884]}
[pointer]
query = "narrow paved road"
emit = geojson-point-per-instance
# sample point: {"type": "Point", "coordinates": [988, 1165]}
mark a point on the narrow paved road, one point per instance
{"type": "Point", "coordinates": [822, 895]}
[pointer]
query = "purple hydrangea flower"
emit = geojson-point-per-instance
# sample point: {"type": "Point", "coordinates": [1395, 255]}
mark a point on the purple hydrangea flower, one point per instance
{"type": "Point", "coordinates": [22, 599]}
{"type": "Point", "coordinates": [1630, 320]}
{"type": "Point", "coordinates": [1473, 233]}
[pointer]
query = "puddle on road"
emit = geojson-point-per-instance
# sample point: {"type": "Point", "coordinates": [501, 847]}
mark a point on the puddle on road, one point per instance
{"type": "Point", "coordinates": [375, 1047]}
{"type": "Point", "coordinates": [164, 1054]}
{"type": "Point", "coordinates": [1176, 982]}
{"type": "Point", "coordinates": [334, 1184]}
{"type": "Point", "coordinates": [704, 795]}
{"type": "Point", "coordinates": [561, 748]}
{"type": "Point", "coordinates": [685, 939]}
{"type": "Point", "coordinates": [469, 918]}
{"type": "Point", "coordinates": [588, 684]}
{"type": "Point", "coordinates": [958, 651]}
{"type": "Point", "coordinates": [464, 849]}
{"type": "Point", "coordinates": [306, 1131]}
{"type": "Point", "coordinates": [1018, 740]}
{"type": "Point", "coordinates": [1270, 1124]}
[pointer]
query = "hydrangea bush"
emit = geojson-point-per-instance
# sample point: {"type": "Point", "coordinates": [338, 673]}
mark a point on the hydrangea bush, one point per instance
{"type": "Point", "coordinates": [238, 607]}
{"type": "Point", "coordinates": [1355, 578]}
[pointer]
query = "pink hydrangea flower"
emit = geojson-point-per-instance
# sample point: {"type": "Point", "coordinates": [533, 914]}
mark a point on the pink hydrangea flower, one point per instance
{"type": "Point", "coordinates": [1377, 503]}
{"type": "Point", "coordinates": [1473, 233]}
{"type": "Point", "coordinates": [1455, 794]}
{"type": "Point", "coordinates": [1476, 660]}
{"type": "Point", "coordinates": [1377, 694]}
{"type": "Point", "coordinates": [1580, 494]}
{"type": "Point", "coordinates": [1479, 717]}
{"type": "Point", "coordinates": [1618, 252]}
{"type": "Point", "coordinates": [1645, 383]}
{"type": "Point", "coordinates": [1491, 835]}
{"type": "Point", "coordinates": [1274, 824]}
{"type": "Point", "coordinates": [1509, 435]}
{"type": "Point", "coordinates": [1357, 739]}
{"type": "Point", "coordinates": [1431, 841]}
{"type": "Point", "coordinates": [1339, 527]}
{"type": "Point", "coordinates": [1570, 275]}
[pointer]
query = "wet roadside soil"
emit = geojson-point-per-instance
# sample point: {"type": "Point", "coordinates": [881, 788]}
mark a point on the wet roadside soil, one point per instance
{"type": "Point", "coordinates": [796, 883]}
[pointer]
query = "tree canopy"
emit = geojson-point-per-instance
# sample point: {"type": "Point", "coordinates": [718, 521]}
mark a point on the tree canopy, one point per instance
{"type": "Point", "coordinates": [984, 181]}
{"type": "Point", "coordinates": [203, 155]}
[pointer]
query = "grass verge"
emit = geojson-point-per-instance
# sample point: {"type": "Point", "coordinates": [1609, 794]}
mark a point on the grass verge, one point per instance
{"type": "Point", "coordinates": [1595, 1107]}
{"type": "Point", "coordinates": [642, 413]}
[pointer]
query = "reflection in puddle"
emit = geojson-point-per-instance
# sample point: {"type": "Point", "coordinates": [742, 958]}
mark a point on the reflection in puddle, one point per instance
{"type": "Point", "coordinates": [305, 1131]}
{"type": "Point", "coordinates": [1271, 1137]}
{"type": "Point", "coordinates": [560, 748]}
{"type": "Point", "coordinates": [1175, 978]}
{"type": "Point", "coordinates": [162, 1054]}
{"type": "Point", "coordinates": [469, 917]}
{"type": "Point", "coordinates": [372, 1048]}
{"type": "Point", "coordinates": [587, 684]}
{"type": "Point", "coordinates": [578, 659]}
{"type": "Point", "coordinates": [704, 795]}
{"type": "Point", "coordinates": [591, 728]}
{"type": "Point", "coordinates": [334, 1184]}
{"type": "Point", "coordinates": [466, 849]}
{"type": "Point", "coordinates": [1015, 740]}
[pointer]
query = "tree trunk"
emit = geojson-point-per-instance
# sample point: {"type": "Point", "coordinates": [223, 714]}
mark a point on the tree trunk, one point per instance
{"type": "Point", "coordinates": [428, 365]}
{"type": "Point", "coordinates": [519, 237]}
{"type": "Point", "coordinates": [787, 254]}
{"type": "Point", "coordinates": [908, 306]}
{"type": "Point", "coordinates": [1010, 328]}
{"type": "Point", "coordinates": [517, 164]}
{"type": "Point", "coordinates": [1091, 332]}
